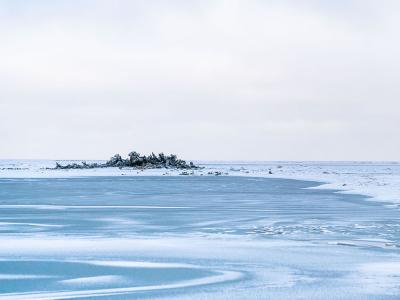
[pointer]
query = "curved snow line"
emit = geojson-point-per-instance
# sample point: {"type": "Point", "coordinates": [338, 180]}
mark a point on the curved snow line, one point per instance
{"type": "Point", "coordinates": [23, 276]}
{"type": "Point", "coordinates": [136, 264]}
{"type": "Point", "coordinates": [29, 224]}
{"type": "Point", "coordinates": [223, 277]}
{"type": "Point", "coordinates": [45, 206]}
{"type": "Point", "coordinates": [93, 280]}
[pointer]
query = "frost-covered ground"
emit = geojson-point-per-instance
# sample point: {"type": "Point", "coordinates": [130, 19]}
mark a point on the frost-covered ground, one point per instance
{"type": "Point", "coordinates": [110, 234]}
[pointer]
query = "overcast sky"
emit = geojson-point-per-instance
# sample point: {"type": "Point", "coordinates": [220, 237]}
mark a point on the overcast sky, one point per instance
{"type": "Point", "coordinates": [210, 80]}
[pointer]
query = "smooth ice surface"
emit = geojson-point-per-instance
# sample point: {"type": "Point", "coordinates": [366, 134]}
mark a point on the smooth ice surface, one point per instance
{"type": "Point", "coordinates": [380, 180]}
{"type": "Point", "coordinates": [193, 237]}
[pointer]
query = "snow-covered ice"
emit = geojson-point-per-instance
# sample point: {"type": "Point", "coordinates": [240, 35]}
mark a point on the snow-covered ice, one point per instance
{"type": "Point", "coordinates": [128, 234]}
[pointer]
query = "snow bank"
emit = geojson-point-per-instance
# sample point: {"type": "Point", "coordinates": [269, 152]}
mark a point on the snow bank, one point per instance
{"type": "Point", "coordinates": [379, 180]}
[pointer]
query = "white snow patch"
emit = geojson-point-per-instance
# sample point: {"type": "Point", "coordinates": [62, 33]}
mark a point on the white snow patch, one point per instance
{"type": "Point", "coordinates": [378, 278]}
{"type": "Point", "coordinates": [94, 280]}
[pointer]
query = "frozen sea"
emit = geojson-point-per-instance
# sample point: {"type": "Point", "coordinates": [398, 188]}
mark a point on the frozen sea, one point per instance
{"type": "Point", "coordinates": [124, 234]}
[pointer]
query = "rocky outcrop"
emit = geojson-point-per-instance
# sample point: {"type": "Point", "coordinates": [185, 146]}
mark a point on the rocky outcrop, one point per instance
{"type": "Point", "coordinates": [135, 160]}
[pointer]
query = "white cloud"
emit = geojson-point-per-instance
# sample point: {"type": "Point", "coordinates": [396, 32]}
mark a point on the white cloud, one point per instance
{"type": "Point", "coordinates": [206, 79]}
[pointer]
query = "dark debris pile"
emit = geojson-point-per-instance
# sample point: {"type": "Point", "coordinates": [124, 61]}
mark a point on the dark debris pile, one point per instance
{"type": "Point", "coordinates": [135, 160]}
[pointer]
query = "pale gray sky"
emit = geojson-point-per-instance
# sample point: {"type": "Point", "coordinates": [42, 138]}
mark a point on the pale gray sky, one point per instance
{"type": "Point", "coordinates": [259, 80]}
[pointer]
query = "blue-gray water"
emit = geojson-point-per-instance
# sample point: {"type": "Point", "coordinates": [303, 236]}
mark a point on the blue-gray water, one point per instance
{"type": "Point", "coordinates": [193, 238]}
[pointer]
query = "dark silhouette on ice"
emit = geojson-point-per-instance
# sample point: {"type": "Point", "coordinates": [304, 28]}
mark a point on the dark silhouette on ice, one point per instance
{"type": "Point", "coordinates": [135, 160]}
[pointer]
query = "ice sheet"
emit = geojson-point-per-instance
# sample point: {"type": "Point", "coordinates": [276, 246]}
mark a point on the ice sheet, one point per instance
{"type": "Point", "coordinates": [250, 236]}
{"type": "Point", "coordinates": [380, 180]}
